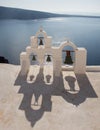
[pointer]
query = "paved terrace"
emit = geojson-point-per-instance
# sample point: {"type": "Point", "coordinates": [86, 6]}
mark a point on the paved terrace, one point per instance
{"type": "Point", "coordinates": [42, 101]}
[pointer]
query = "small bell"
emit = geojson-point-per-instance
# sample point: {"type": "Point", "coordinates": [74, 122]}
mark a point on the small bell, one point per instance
{"type": "Point", "coordinates": [33, 58]}
{"type": "Point", "coordinates": [68, 59]}
{"type": "Point", "coordinates": [41, 42]}
{"type": "Point", "coordinates": [48, 58]}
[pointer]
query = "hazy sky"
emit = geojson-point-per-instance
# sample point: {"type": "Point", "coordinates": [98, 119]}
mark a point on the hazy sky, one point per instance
{"type": "Point", "coordinates": [55, 5]}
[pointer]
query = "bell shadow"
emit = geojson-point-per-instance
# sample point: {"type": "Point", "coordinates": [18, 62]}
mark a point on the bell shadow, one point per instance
{"type": "Point", "coordinates": [85, 89]}
{"type": "Point", "coordinates": [31, 77]}
{"type": "Point", "coordinates": [71, 81]}
{"type": "Point", "coordinates": [39, 88]}
{"type": "Point", "coordinates": [48, 77]}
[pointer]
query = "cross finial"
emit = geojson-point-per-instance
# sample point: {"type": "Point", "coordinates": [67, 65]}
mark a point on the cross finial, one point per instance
{"type": "Point", "coordinates": [41, 28]}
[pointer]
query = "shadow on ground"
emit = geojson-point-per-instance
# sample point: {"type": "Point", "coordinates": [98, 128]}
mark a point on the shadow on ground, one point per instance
{"type": "Point", "coordinates": [39, 88]}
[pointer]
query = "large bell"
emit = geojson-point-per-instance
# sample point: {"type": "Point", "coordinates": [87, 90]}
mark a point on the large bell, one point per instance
{"type": "Point", "coordinates": [48, 58]}
{"type": "Point", "coordinates": [68, 59]}
{"type": "Point", "coordinates": [41, 42]}
{"type": "Point", "coordinates": [33, 58]}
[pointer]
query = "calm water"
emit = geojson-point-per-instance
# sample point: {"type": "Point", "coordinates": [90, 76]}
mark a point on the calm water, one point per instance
{"type": "Point", "coordinates": [84, 32]}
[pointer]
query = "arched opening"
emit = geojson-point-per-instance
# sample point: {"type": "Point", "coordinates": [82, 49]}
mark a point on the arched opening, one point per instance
{"type": "Point", "coordinates": [68, 50]}
{"type": "Point", "coordinates": [48, 59]}
{"type": "Point", "coordinates": [41, 40]}
{"type": "Point", "coordinates": [34, 68]}
{"type": "Point", "coordinates": [48, 68]}
{"type": "Point", "coordinates": [33, 59]}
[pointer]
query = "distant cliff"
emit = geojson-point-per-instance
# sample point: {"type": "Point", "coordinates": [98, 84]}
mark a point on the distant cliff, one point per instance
{"type": "Point", "coordinates": [22, 14]}
{"type": "Point", "coordinates": [13, 13]}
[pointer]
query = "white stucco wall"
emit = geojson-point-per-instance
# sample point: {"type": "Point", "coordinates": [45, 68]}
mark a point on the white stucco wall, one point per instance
{"type": "Point", "coordinates": [80, 61]}
{"type": "Point", "coordinates": [42, 50]}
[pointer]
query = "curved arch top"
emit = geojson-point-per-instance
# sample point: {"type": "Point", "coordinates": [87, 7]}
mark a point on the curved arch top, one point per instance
{"type": "Point", "coordinates": [41, 32]}
{"type": "Point", "coordinates": [67, 43]}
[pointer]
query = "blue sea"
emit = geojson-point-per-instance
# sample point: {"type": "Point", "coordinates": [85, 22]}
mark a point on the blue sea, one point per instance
{"type": "Point", "coordinates": [84, 32]}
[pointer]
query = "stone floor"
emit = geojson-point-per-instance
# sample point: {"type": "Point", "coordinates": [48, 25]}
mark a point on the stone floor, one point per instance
{"type": "Point", "coordinates": [42, 101]}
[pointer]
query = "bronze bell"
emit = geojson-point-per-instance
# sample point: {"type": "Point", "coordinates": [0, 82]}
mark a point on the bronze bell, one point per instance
{"type": "Point", "coordinates": [68, 58]}
{"type": "Point", "coordinates": [48, 58]}
{"type": "Point", "coordinates": [41, 42]}
{"type": "Point", "coordinates": [33, 58]}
